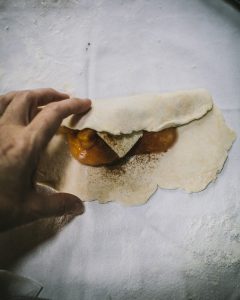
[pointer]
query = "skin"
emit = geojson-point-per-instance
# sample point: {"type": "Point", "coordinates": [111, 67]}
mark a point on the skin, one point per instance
{"type": "Point", "coordinates": [25, 130]}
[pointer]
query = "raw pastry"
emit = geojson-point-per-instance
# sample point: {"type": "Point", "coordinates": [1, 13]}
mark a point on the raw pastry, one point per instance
{"type": "Point", "coordinates": [194, 160]}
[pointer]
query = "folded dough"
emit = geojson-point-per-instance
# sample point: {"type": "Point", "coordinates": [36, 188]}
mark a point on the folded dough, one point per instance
{"type": "Point", "coordinates": [191, 164]}
{"type": "Point", "coordinates": [148, 112]}
{"type": "Point", "coordinates": [121, 144]}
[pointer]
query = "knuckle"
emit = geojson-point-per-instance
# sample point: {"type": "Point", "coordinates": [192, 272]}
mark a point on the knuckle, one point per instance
{"type": "Point", "coordinates": [23, 92]}
{"type": "Point", "coordinates": [24, 95]}
{"type": "Point", "coordinates": [51, 90]}
{"type": "Point", "coordinates": [47, 92]}
{"type": "Point", "coordinates": [23, 145]}
{"type": "Point", "coordinates": [20, 150]}
{"type": "Point", "coordinates": [28, 94]}
{"type": "Point", "coordinates": [56, 108]}
{"type": "Point", "coordinates": [10, 94]}
{"type": "Point", "coordinates": [15, 150]}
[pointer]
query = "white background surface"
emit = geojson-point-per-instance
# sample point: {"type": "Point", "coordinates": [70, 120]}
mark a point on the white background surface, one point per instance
{"type": "Point", "coordinates": [177, 246]}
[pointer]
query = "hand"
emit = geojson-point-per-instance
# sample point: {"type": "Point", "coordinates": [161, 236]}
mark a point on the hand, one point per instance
{"type": "Point", "coordinates": [25, 130]}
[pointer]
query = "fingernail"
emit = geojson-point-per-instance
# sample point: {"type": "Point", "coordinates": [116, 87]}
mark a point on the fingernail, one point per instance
{"type": "Point", "coordinates": [77, 208]}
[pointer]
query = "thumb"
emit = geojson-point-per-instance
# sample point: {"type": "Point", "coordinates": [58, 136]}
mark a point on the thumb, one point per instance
{"type": "Point", "coordinates": [52, 205]}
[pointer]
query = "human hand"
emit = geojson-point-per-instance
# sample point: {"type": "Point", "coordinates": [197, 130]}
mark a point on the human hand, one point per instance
{"type": "Point", "coordinates": [25, 130]}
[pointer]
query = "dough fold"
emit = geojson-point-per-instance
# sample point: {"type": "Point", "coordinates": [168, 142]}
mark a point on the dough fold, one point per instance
{"type": "Point", "coordinates": [191, 164]}
{"type": "Point", "coordinates": [150, 112]}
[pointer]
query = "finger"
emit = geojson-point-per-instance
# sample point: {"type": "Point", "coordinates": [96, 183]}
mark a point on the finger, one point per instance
{"type": "Point", "coordinates": [5, 100]}
{"type": "Point", "coordinates": [58, 204]}
{"type": "Point", "coordinates": [22, 107]}
{"type": "Point", "coordinates": [48, 95]}
{"type": "Point", "coordinates": [47, 122]}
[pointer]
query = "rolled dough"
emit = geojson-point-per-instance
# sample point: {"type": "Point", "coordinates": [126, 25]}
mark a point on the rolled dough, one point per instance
{"type": "Point", "coordinates": [150, 112]}
{"type": "Point", "coordinates": [191, 164]}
